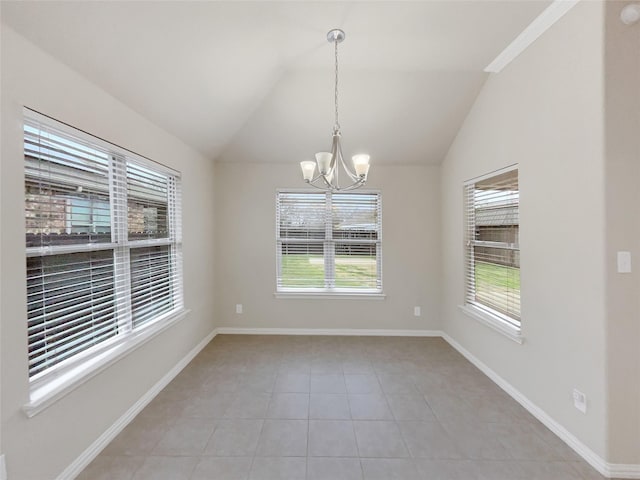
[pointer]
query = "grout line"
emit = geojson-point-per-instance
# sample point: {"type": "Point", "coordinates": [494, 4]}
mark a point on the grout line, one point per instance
{"type": "Point", "coordinates": [308, 429]}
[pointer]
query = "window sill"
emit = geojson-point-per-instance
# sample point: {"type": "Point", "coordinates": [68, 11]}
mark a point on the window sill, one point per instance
{"type": "Point", "coordinates": [331, 295]}
{"type": "Point", "coordinates": [46, 393]}
{"type": "Point", "coordinates": [496, 323]}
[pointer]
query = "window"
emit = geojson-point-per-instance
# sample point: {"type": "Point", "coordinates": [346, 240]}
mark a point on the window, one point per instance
{"type": "Point", "coordinates": [492, 246]}
{"type": "Point", "coordinates": [329, 242]}
{"type": "Point", "coordinates": [103, 245]}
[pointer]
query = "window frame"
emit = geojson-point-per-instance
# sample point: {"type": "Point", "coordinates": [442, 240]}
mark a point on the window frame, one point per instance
{"type": "Point", "coordinates": [50, 384]}
{"type": "Point", "coordinates": [501, 322]}
{"type": "Point", "coordinates": [330, 291]}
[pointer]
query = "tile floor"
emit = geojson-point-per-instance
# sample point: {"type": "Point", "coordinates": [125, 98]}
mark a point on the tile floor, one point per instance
{"type": "Point", "coordinates": [334, 408]}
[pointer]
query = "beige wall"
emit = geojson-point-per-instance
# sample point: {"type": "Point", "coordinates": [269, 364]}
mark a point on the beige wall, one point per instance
{"type": "Point", "coordinates": [41, 447]}
{"type": "Point", "coordinates": [246, 252]}
{"type": "Point", "coordinates": [544, 112]}
{"type": "Point", "coordinates": [622, 175]}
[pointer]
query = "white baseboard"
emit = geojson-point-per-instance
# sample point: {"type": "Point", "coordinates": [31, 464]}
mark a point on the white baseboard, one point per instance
{"type": "Point", "coordinates": [330, 331]}
{"type": "Point", "coordinates": [103, 440]}
{"type": "Point", "coordinates": [3, 468]}
{"type": "Point", "coordinates": [609, 470]}
{"type": "Point", "coordinates": [621, 470]}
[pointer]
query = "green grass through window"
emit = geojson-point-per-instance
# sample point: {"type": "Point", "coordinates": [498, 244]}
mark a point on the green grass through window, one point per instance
{"type": "Point", "coordinates": [497, 275]}
{"type": "Point", "coordinates": [498, 287]}
{"type": "Point", "coordinates": [300, 271]}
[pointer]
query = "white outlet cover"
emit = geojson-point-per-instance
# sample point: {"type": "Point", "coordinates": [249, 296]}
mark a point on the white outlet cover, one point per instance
{"type": "Point", "coordinates": [580, 400]}
{"type": "Point", "coordinates": [624, 262]}
{"type": "Point", "coordinates": [417, 311]}
{"type": "Point", "coordinates": [238, 308]}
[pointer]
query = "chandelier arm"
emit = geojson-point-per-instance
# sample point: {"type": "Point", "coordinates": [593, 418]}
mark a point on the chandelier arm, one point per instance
{"type": "Point", "coordinates": [352, 176]}
{"type": "Point", "coordinates": [338, 161]}
{"type": "Point", "coordinates": [324, 182]}
{"type": "Point", "coordinates": [350, 173]}
{"type": "Point", "coordinates": [335, 159]}
{"type": "Point", "coordinates": [327, 182]}
{"type": "Point", "coordinates": [315, 179]}
{"type": "Point", "coordinates": [322, 187]}
{"type": "Point", "coordinates": [336, 126]}
{"type": "Point", "coordinates": [326, 185]}
{"type": "Point", "coordinates": [353, 186]}
{"type": "Point", "coordinates": [330, 174]}
{"type": "Point", "coordinates": [336, 149]}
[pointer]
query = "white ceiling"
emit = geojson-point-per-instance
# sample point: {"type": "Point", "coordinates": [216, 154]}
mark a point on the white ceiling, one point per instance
{"type": "Point", "coordinates": [253, 81]}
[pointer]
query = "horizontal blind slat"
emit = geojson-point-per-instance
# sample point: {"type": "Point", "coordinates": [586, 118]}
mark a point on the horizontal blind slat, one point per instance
{"type": "Point", "coordinates": [73, 335]}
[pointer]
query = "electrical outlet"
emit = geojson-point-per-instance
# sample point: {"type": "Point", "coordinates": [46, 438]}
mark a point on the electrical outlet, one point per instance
{"type": "Point", "coordinates": [624, 262]}
{"type": "Point", "coordinates": [238, 308]}
{"type": "Point", "coordinates": [580, 400]}
{"type": "Point", "coordinates": [417, 311]}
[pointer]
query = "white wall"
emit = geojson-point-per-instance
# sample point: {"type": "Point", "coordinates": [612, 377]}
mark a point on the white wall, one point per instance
{"type": "Point", "coordinates": [246, 251]}
{"type": "Point", "coordinates": [544, 112]}
{"type": "Point", "coordinates": [622, 175]}
{"type": "Point", "coordinates": [41, 447]}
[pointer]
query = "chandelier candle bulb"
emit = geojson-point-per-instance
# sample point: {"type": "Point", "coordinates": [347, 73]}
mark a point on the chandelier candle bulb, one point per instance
{"type": "Point", "coordinates": [308, 169]}
{"type": "Point", "coordinates": [324, 162]}
{"type": "Point", "coordinates": [361, 164]}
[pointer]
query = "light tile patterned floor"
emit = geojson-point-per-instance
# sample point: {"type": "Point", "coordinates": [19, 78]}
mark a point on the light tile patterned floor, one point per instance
{"type": "Point", "coordinates": [334, 408]}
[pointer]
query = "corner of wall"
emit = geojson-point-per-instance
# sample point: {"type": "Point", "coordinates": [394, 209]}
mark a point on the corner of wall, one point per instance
{"type": "Point", "coordinates": [621, 177]}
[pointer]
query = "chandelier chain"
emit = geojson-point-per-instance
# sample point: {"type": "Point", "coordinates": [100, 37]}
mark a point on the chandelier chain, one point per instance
{"type": "Point", "coordinates": [336, 127]}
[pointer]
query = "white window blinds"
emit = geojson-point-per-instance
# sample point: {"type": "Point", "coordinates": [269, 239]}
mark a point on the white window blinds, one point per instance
{"type": "Point", "coordinates": [492, 245]}
{"type": "Point", "coordinates": [66, 189]}
{"type": "Point", "coordinates": [71, 305]}
{"type": "Point", "coordinates": [356, 226]}
{"type": "Point", "coordinates": [302, 232]}
{"type": "Point", "coordinates": [329, 242]}
{"type": "Point", "coordinates": [103, 243]}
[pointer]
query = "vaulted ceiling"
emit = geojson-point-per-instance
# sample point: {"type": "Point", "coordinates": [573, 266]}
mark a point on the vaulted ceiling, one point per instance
{"type": "Point", "coordinates": [253, 81]}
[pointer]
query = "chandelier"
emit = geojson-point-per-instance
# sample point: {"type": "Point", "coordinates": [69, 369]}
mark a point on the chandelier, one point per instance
{"type": "Point", "coordinates": [328, 163]}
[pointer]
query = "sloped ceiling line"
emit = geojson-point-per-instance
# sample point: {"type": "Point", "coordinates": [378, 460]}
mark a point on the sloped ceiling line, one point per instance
{"type": "Point", "coordinates": [252, 81]}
